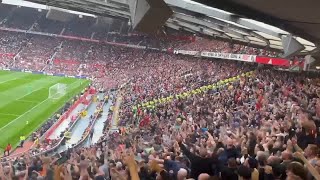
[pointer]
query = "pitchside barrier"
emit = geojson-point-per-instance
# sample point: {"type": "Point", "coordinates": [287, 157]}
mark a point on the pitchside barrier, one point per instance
{"type": "Point", "coordinates": [63, 138]}
{"type": "Point", "coordinates": [64, 116]}
{"type": "Point", "coordinates": [44, 73]}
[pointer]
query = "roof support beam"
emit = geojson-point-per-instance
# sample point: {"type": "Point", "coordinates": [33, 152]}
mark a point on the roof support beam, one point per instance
{"type": "Point", "coordinates": [239, 35]}
{"type": "Point", "coordinates": [257, 28]}
{"type": "Point", "coordinates": [196, 7]}
{"type": "Point", "coordinates": [260, 37]}
{"type": "Point", "coordinates": [87, 6]}
{"type": "Point", "coordinates": [198, 21]}
{"type": "Point", "coordinates": [216, 13]}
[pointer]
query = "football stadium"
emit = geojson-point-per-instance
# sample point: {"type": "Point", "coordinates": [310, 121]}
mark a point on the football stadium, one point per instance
{"type": "Point", "coordinates": [159, 90]}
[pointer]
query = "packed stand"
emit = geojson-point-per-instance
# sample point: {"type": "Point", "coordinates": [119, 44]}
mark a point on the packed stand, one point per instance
{"type": "Point", "coordinates": [10, 45]}
{"type": "Point", "coordinates": [264, 125]}
{"type": "Point", "coordinates": [37, 53]}
{"type": "Point", "coordinates": [250, 128]}
{"type": "Point", "coordinates": [261, 127]}
{"type": "Point", "coordinates": [73, 51]}
{"type": "Point", "coordinates": [253, 128]}
{"type": "Point", "coordinates": [11, 42]}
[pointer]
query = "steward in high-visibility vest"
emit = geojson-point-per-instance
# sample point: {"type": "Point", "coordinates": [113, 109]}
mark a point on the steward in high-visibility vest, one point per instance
{"type": "Point", "coordinates": [22, 139]}
{"type": "Point", "coordinates": [36, 142]}
{"type": "Point", "coordinates": [67, 135]}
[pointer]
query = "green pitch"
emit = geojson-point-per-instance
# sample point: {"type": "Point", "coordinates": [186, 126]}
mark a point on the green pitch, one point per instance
{"type": "Point", "coordinates": [24, 103]}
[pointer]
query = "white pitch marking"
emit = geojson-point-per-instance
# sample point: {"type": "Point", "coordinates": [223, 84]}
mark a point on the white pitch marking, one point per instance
{"type": "Point", "coordinates": [28, 101]}
{"type": "Point", "coordinates": [7, 80]}
{"type": "Point", "coordinates": [28, 111]}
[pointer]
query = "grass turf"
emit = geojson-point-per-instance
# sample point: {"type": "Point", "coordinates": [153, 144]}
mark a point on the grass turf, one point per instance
{"type": "Point", "coordinates": [24, 103]}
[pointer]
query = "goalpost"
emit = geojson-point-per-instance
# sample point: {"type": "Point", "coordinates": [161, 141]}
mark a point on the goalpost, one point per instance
{"type": "Point", "coordinates": [57, 91]}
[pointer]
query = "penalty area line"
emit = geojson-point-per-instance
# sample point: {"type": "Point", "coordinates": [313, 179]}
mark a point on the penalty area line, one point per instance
{"type": "Point", "coordinates": [28, 101]}
{"type": "Point", "coordinates": [13, 121]}
{"type": "Point", "coordinates": [2, 82]}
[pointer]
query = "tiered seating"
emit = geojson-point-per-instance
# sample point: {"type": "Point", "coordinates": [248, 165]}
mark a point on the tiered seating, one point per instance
{"type": "Point", "coordinates": [184, 117]}
{"type": "Point", "coordinates": [36, 55]}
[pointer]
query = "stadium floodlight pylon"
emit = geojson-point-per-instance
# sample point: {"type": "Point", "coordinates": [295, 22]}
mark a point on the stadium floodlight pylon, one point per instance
{"type": "Point", "coordinates": [57, 91]}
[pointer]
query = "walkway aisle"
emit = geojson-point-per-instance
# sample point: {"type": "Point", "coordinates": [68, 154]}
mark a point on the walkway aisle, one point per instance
{"type": "Point", "coordinates": [99, 125]}
{"type": "Point", "coordinates": [115, 116]}
{"type": "Point", "coordinates": [65, 124]}
{"type": "Point", "coordinates": [80, 126]}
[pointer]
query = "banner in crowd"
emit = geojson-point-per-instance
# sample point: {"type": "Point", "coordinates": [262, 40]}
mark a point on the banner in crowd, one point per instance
{"type": "Point", "coordinates": [78, 38]}
{"type": "Point", "coordinates": [183, 52]}
{"type": "Point", "coordinates": [153, 48]}
{"type": "Point", "coordinates": [280, 62]}
{"type": "Point", "coordinates": [7, 55]}
{"type": "Point", "coordinates": [171, 37]}
{"type": "Point", "coordinates": [126, 45]}
{"type": "Point", "coordinates": [237, 57]}
{"type": "Point", "coordinates": [273, 61]}
{"type": "Point", "coordinates": [14, 69]}
{"type": "Point", "coordinates": [61, 61]}
{"type": "Point", "coordinates": [37, 72]}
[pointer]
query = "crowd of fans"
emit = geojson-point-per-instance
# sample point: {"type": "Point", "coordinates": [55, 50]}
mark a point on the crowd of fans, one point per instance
{"type": "Point", "coordinates": [262, 125]}
{"type": "Point", "coordinates": [37, 50]}
{"type": "Point", "coordinates": [181, 117]}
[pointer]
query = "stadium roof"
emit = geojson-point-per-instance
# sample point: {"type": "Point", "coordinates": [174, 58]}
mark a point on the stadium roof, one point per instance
{"type": "Point", "coordinates": [298, 17]}
{"type": "Point", "coordinates": [196, 18]}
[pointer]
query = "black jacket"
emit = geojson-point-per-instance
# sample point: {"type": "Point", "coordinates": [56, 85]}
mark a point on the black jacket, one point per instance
{"type": "Point", "coordinates": [199, 164]}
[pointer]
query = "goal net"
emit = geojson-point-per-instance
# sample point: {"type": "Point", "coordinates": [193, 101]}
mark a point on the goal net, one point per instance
{"type": "Point", "coordinates": [57, 91]}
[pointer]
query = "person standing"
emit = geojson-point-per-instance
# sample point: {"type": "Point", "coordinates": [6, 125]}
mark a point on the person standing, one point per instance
{"type": "Point", "coordinates": [22, 139]}
{"type": "Point", "coordinates": [91, 133]}
{"type": "Point", "coordinates": [8, 149]}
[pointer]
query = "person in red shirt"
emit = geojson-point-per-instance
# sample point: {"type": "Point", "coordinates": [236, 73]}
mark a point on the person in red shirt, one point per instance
{"type": "Point", "coordinates": [145, 121]}
{"type": "Point", "coordinates": [8, 149]}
